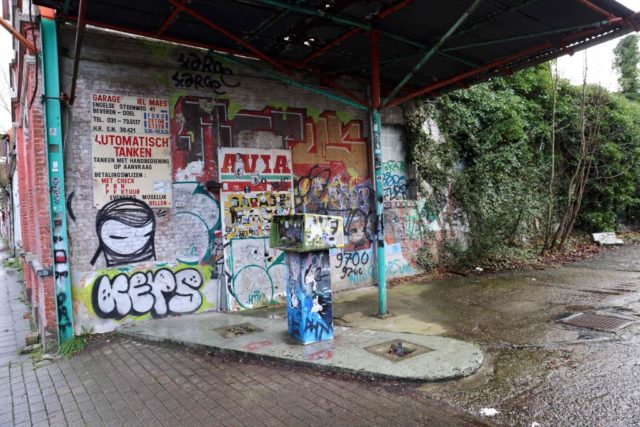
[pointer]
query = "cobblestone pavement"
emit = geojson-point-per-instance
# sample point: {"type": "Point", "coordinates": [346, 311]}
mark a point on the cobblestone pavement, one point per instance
{"type": "Point", "coordinates": [116, 381]}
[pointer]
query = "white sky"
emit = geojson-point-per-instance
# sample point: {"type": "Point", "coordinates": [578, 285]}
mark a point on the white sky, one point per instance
{"type": "Point", "coordinates": [599, 60]}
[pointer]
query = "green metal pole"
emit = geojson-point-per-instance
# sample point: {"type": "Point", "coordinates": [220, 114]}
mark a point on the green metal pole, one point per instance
{"type": "Point", "coordinates": [376, 130]}
{"type": "Point", "coordinates": [55, 158]}
{"type": "Point", "coordinates": [376, 124]}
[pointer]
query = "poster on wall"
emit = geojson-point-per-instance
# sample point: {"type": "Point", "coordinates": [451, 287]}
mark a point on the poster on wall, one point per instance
{"type": "Point", "coordinates": [256, 184]}
{"type": "Point", "coordinates": [131, 154]}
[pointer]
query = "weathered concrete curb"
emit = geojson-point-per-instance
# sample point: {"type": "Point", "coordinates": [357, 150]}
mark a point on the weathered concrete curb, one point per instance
{"type": "Point", "coordinates": [449, 358]}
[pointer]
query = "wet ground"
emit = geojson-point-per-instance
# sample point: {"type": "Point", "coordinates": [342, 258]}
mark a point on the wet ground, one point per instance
{"type": "Point", "coordinates": [537, 370]}
{"type": "Point", "coordinates": [116, 381]}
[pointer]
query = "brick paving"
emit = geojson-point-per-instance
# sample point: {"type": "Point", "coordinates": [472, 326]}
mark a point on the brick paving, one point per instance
{"type": "Point", "coordinates": [117, 381]}
{"type": "Point", "coordinates": [13, 326]}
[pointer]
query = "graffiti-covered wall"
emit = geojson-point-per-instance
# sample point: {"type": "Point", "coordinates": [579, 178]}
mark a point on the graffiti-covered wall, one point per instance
{"type": "Point", "coordinates": [175, 162]}
{"type": "Point", "coordinates": [411, 223]}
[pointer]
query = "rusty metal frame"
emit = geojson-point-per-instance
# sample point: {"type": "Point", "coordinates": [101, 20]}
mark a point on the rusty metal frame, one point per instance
{"type": "Point", "coordinates": [169, 19]}
{"type": "Point", "coordinates": [381, 15]}
{"type": "Point", "coordinates": [276, 64]}
{"type": "Point", "coordinates": [560, 43]}
{"type": "Point", "coordinates": [432, 50]}
{"type": "Point", "coordinates": [76, 51]}
{"type": "Point", "coordinates": [285, 67]}
{"type": "Point", "coordinates": [31, 47]}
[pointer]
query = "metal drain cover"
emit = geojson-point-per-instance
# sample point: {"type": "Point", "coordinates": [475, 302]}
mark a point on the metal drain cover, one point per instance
{"type": "Point", "coordinates": [237, 330]}
{"type": "Point", "coordinates": [397, 350]}
{"type": "Point", "coordinates": [597, 322]}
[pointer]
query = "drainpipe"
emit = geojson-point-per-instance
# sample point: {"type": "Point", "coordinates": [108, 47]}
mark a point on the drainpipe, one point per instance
{"type": "Point", "coordinates": [376, 129]}
{"type": "Point", "coordinates": [55, 157]}
{"type": "Point", "coordinates": [15, 33]}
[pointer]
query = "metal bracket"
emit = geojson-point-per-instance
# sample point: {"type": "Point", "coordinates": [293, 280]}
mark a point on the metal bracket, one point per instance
{"type": "Point", "coordinates": [45, 272]}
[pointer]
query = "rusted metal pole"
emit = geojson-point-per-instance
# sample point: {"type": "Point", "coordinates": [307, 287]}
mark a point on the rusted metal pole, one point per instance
{"type": "Point", "coordinates": [15, 33]}
{"type": "Point", "coordinates": [76, 51]}
{"type": "Point", "coordinates": [232, 36]}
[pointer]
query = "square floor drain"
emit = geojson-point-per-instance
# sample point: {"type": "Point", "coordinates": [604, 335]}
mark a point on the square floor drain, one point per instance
{"type": "Point", "coordinates": [397, 350]}
{"type": "Point", "coordinates": [237, 330]}
{"type": "Point", "coordinates": [597, 322]}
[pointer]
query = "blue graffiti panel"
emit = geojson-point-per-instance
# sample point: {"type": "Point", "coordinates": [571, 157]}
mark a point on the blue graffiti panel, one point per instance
{"type": "Point", "coordinates": [309, 307]}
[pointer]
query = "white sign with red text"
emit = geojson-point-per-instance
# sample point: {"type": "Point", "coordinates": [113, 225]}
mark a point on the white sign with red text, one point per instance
{"type": "Point", "coordinates": [131, 151]}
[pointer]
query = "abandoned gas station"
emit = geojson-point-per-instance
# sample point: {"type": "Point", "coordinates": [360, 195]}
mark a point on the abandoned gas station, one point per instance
{"type": "Point", "coordinates": [156, 140]}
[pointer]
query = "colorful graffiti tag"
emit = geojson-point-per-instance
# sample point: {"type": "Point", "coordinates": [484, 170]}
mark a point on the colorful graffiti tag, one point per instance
{"type": "Point", "coordinates": [329, 162]}
{"type": "Point", "coordinates": [159, 292]}
{"type": "Point", "coordinates": [309, 308]}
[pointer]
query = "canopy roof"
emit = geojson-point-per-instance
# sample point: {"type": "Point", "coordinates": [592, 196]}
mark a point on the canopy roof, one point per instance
{"type": "Point", "coordinates": [425, 47]}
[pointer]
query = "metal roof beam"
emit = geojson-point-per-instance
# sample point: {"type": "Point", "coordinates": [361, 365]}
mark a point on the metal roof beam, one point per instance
{"type": "Point", "coordinates": [493, 15]}
{"type": "Point", "coordinates": [76, 51]}
{"type": "Point", "coordinates": [381, 15]}
{"type": "Point", "coordinates": [539, 49]}
{"type": "Point", "coordinates": [230, 35]}
{"type": "Point", "coordinates": [288, 80]}
{"type": "Point", "coordinates": [316, 12]}
{"type": "Point", "coordinates": [359, 26]}
{"type": "Point", "coordinates": [172, 16]}
{"type": "Point", "coordinates": [464, 30]}
{"type": "Point", "coordinates": [432, 50]}
{"type": "Point", "coordinates": [265, 25]}
{"type": "Point", "coordinates": [528, 36]}
{"type": "Point", "coordinates": [596, 9]}
{"type": "Point", "coordinates": [163, 37]}
{"type": "Point", "coordinates": [388, 61]}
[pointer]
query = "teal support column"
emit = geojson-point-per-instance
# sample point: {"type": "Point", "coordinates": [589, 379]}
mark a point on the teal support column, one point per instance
{"type": "Point", "coordinates": [55, 163]}
{"type": "Point", "coordinates": [376, 125]}
{"type": "Point", "coordinates": [376, 130]}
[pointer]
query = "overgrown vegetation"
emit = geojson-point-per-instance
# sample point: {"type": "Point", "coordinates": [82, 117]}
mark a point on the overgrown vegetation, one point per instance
{"type": "Point", "coordinates": [73, 346]}
{"type": "Point", "coordinates": [12, 263]}
{"type": "Point", "coordinates": [528, 158]}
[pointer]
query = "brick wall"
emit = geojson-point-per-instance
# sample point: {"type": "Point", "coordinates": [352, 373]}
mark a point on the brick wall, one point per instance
{"type": "Point", "coordinates": [34, 208]}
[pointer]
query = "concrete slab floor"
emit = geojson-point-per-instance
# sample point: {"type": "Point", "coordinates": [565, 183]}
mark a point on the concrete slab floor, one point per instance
{"type": "Point", "coordinates": [447, 358]}
{"type": "Point", "coordinates": [535, 370]}
{"type": "Point", "coordinates": [117, 381]}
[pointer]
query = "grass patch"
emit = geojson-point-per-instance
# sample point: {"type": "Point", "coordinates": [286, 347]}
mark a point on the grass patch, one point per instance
{"type": "Point", "coordinates": [36, 354]}
{"type": "Point", "coordinates": [12, 263]}
{"type": "Point", "coordinates": [73, 346]}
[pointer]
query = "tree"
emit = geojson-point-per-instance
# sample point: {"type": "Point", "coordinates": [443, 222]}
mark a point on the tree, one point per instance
{"type": "Point", "coordinates": [626, 59]}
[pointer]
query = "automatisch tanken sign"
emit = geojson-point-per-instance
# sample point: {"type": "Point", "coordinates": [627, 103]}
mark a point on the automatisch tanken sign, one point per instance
{"type": "Point", "coordinates": [131, 151]}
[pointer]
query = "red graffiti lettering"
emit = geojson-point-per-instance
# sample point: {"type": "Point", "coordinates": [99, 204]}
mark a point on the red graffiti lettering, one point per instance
{"type": "Point", "coordinates": [252, 346]}
{"type": "Point", "coordinates": [320, 355]}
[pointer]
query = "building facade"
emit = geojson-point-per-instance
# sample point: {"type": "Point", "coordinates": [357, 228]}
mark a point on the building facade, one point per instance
{"type": "Point", "coordinates": [175, 160]}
